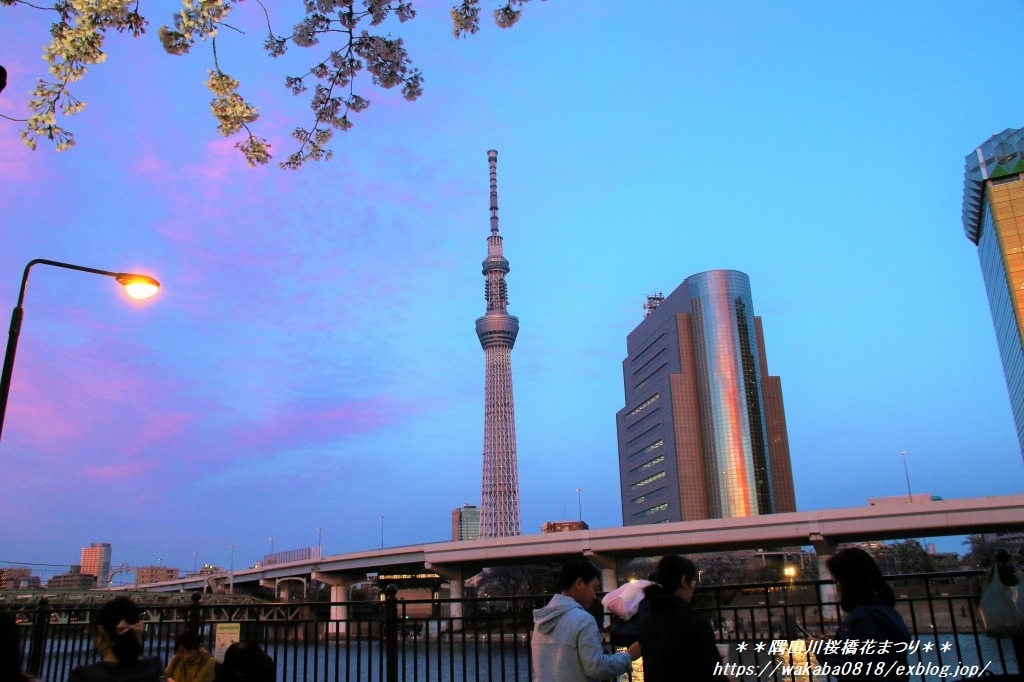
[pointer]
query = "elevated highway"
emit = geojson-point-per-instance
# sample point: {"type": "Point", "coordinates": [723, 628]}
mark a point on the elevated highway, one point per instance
{"type": "Point", "coordinates": [455, 561]}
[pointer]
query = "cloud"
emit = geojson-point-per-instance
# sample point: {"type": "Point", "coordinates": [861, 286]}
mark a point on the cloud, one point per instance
{"type": "Point", "coordinates": [122, 472]}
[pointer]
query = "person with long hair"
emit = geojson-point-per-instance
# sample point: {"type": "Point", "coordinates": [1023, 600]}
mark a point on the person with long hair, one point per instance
{"type": "Point", "coordinates": [117, 636]}
{"type": "Point", "coordinates": [678, 643]}
{"type": "Point", "coordinates": [868, 602]}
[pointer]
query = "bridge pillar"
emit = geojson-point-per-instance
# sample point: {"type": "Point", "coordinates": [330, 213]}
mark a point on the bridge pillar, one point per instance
{"type": "Point", "coordinates": [609, 566]}
{"type": "Point", "coordinates": [824, 548]}
{"type": "Point", "coordinates": [340, 586]}
{"type": "Point", "coordinates": [456, 581]}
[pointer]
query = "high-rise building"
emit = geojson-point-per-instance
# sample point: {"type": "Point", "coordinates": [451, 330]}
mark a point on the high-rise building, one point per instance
{"type": "Point", "coordinates": [499, 499]}
{"type": "Point", "coordinates": [96, 562]}
{"type": "Point", "coordinates": [465, 523]}
{"type": "Point", "coordinates": [993, 217]}
{"type": "Point", "coordinates": [703, 432]}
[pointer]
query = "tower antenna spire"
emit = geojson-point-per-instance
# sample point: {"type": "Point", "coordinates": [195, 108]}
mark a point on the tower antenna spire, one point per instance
{"type": "Point", "coordinates": [492, 161]}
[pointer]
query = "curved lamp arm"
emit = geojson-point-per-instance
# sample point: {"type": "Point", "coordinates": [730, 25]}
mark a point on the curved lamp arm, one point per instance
{"type": "Point", "coordinates": [137, 286]}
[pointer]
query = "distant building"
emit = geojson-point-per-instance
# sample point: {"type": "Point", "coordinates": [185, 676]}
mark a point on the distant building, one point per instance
{"type": "Point", "coordinates": [96, 562]}
{"type": "Point", "coordinates": [563, 526]}
{"type": "Point", "coordinates": [18, 578]}
{"type": "Point", "coordinates": [703, 432]}
{"type": "Point", "coordinates": [145, 575]}
{"type": "Point", "coordinates": [993, 218]}
{"type": "Point", "coordinates": [74, 579]}
{"type": "Point", "coordinates": [465, 523]}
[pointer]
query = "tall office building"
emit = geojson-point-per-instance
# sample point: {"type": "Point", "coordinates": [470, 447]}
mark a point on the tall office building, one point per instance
{"type": "Point", "coordinates": [465, 523]}
{"type": "Point", "coordinates": [993, 217]}
{"type": "Point", "coordinates": [703, 432]}
{"type": "Point", "coordinates": [96, 562]}
{"type": "Point", "coordinates": [499, 499]}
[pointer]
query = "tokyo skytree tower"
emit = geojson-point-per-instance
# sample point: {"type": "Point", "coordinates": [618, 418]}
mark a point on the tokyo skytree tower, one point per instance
{"type": "Point", "coordinates": [499, 504]}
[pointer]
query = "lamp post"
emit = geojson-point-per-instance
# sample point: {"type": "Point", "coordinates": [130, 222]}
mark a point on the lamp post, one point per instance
{"type": "Point", "coordinates": [579, 502]}
{"type": "Point", "coordinates": [231, 585]}
{"type": "Point", "coordinates": [271, 547]}
{"type": "Point", "coordinates": [137, 286]}
{"type": "Point", "coordinates": [381, 531]}
{"type": "Point", "coordinates": [906, 472]}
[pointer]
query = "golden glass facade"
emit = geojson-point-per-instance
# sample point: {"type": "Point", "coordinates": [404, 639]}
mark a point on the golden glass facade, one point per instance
{"type": "Point", "coordinates": [994, 220]}
{"type": "Point", "coordinates": [702, 434]}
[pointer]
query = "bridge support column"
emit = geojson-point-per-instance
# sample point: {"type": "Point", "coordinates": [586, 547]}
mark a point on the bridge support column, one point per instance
{"type": "Point", "coordinates": [340, 585]}
{"type": "Point", "coordinates": [609, 566]}
{"type": "Point", "coordinates": [456, 592]}
{"type": "Point", "coordinates": [456, 582]}
{"type": "Point", "coordinates": [824, 548]}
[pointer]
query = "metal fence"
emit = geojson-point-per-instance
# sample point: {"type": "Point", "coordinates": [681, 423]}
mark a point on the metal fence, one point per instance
{"type": "Point", "coordinates": [488, 639]}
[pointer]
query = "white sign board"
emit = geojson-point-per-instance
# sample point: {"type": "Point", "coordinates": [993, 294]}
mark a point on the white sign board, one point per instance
{"type": "Point", "coordinates": [224, 636]}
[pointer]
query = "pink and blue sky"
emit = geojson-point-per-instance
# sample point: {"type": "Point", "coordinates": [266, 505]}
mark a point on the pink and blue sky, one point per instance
{"type": "Point", "coordinates": [310, 360]}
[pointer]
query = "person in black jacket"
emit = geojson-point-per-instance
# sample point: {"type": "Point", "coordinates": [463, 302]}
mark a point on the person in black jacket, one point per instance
{"type": "Point", "coordinates": [677, 642]}
{"type": "Point", "coordinates": [868, 602]}
{"type": "Point", "coordinates": [117, 635]}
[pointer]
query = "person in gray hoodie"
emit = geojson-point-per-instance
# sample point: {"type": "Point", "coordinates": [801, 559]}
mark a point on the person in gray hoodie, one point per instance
{"type": "Point", "coordinates": [566, 640]}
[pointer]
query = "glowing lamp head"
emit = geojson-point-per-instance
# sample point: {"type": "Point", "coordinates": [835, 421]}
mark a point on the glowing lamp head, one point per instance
{"type": "Point", "coordinates": [138, 286]}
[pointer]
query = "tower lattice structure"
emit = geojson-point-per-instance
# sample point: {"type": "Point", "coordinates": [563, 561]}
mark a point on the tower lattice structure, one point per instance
{"type": "Point", "coordinates": [499, 504]}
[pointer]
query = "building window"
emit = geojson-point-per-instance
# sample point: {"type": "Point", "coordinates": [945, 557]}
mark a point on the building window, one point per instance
{"type": "Point", "coordinates": [647, 481]}
{"type": "Point", "coordinates": [645, 405]}
{"type": "Point", "coordinates": [653, 446]}
{"type": "Point", "coordinates": [650, 512]}
{"type": "Point", "coordinates": [647, 465]}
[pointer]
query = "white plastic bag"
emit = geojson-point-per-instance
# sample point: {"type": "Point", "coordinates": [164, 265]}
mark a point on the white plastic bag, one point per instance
{"type": "Point", "coordinates": [624, 600]}
{"type": "Point", "coordinates": [1001, 609]}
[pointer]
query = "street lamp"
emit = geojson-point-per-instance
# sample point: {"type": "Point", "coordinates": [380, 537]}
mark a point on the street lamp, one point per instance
{"type": "Point", "coordinates": [906, 472]}
{"type": "Point", "coordinates": [231, 585]}
{"type": "Point", "coordinates": [136, 286]}
{"type": "Point", "coordinates": [381, 531]}
{"type": "Point", "coordinates": [579, 502]}
{"type": "Point", "coordinates": [790, 572]}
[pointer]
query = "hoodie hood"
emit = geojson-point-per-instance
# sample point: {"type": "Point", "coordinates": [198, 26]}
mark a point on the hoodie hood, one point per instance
{"type": "Point", "coordinates": [546, 618]}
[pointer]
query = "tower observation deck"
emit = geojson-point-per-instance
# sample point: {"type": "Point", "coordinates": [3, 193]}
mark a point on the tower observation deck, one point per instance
{"type": "Point", "coordinates": [497, 330]}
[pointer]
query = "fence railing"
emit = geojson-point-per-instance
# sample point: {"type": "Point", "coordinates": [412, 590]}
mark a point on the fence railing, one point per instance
{"type": "Point", "coordinates": [488, 639]}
